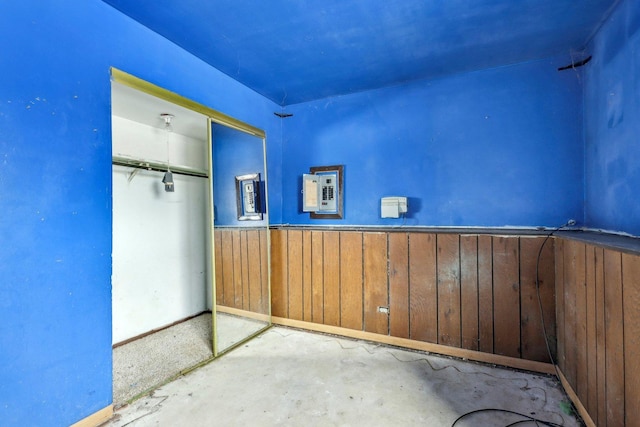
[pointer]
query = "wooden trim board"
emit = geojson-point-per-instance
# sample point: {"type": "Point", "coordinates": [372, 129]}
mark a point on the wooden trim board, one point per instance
{"type": "Point", "coordinates": [96, 418]}
{"type": "Point", "coordinates": [576, 401]}
{"type": "Point", "coordinates": [477, 356]}
{"type": "Point", "coordinates": [243, 313]}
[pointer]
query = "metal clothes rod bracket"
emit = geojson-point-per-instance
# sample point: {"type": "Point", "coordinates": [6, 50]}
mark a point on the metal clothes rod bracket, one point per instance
{"type": "Point", "coordinates": [156, 166]}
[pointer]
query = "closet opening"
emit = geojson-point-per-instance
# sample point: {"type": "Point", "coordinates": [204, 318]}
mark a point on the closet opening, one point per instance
{"type": "Point", "coordinates": [166, 260]}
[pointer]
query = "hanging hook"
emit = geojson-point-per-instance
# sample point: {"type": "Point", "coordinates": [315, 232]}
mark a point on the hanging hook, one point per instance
{"type": "Point", "coordinates": [167, 121]}
{"type": "Point", "coordinates": [168, 176]}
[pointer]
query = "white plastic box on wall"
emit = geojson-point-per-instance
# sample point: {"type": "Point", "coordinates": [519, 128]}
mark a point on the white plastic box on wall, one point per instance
{"type": "Point", "coordinates": [392, 207]}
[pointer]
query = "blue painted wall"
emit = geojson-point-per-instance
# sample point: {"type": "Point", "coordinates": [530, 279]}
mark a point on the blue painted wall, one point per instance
{"type": "Point", "coordinates": [612, 124]}
{"type": "Point", "coordinates": [55, 192]}
{"type": "Point", "coordinates": [500, 147]}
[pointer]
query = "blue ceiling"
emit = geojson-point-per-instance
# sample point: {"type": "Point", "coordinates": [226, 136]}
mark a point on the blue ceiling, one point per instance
{"type": "Point", "coordinates": [294, 51]}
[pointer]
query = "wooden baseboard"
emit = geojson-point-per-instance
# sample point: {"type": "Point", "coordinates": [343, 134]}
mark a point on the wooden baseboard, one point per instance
{"type": "Point", "coordinates": [96, 418]}
{"type": "Point", "coordinates": [495, 359]}
{"type": "Point", "coordinates": [243, 313]}
{"type": "Point", "coordinates": [576, 400]}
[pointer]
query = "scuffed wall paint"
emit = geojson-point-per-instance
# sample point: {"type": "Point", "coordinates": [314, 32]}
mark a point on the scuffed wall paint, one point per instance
{"type": "Point", "coordinates": [612, 124]}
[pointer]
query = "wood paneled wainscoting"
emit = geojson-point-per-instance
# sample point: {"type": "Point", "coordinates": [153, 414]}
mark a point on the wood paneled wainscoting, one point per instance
{"type": "Point", "coordinates": [466, 295]}
{"type": "Point", "coordinates": [241, 273]}
{"type": "Point", "coordinates": [598, 311]}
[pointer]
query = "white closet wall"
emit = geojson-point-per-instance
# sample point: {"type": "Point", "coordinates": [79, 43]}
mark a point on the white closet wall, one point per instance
{"type": "Point", "coordinates": [160, 239]}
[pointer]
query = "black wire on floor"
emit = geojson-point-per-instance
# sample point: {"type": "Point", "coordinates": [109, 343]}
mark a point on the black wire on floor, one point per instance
{"type": "Point", "coordinates": [527, 418]}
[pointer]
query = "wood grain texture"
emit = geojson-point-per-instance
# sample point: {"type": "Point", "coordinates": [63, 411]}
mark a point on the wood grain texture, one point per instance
{"type": "Point", "coordinates": [228, 269]}
{"type": "Point", "coordinates": [506, 296]}
{"type": "Point", "coordinates": [317, 276]}
{"type": "Point", "coordinates": [534, 346]}
{"type": "Point", "coordinates": [279, 295]}
{"type": "Point", "coordinates": [469, 291]}
{"type": "Point", "coordinates": [237, 269]}
{"type": "Point", "coordinates": [614, 350]}
{"type": "Point", "coordinates": [294, 274]}
{"type": "Point", "coordinates": [255, 260]}
{"type": "Point", "coordinates": [570, 312]}
{"type": "Point", "coordinates": [439, 288]}
{"type": "Point", "coordinates": [306, 276]}
{"type": "Point", "coordinates": [243, 251]}
{"type": "Point", "coordinates": [423, 311]}
{"type": "Point", "coordinates": [591, 402]}
{"type": "Point", "coordinates": [265, 268]}
{"type": "Point", "coordinates": [599, 305]}
{"type": "Point", "coordinates": [242, 270]}
{"type": "Point", "coordinates": [601, 414]}
{"type": "Point", "coordinates": [399, 285]}
{"type": "Point", "coordinates": [331, 271]}
{"type": "Point", "coordinates": [547, 276]}
{"type": "Point", "coordinates": [485, 293]}
{"type": "Point", "coordinates": [375, 283]}
{"type": "Point", "coordinates": [351, 279]}
{"type": "Point", "coordinates": [631, 308]}
{"type": "Point", "coordinates": [219, 271]}
{"type": "Point", "coordinates": [559, 252]}
{"type": "Point", "coordinates": [582, 388]}
{"type": "Point", "coordinates": [449, 327]}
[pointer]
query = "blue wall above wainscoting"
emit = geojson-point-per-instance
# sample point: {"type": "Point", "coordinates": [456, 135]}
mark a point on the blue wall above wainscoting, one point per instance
{"type": "Point", "coordinates": [499, 147]}
{"type": "Point", "coordinates": [612, 124]}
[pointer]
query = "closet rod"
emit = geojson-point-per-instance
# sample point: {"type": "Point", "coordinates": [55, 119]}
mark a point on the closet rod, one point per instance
{"type": "Point", "coordinates": [155, 166]}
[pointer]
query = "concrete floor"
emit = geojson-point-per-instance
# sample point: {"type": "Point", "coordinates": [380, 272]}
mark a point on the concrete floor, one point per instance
{"type": "Point", "coordinates": [287, 377]}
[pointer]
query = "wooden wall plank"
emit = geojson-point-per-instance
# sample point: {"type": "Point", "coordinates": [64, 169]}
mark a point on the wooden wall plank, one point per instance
{"type": "Point", "coordinates": [331, 278]}
{"type": "Point", "coordinates": [631, 308]}
{"type": "Point", "coordinates": [227, 268]}
{"type": "Point", "coordinates": [591, 402]}
{"type": "Point", "coordinates": [375, 282]}
{"type": "Point", "coordinates": [254, 256]}
{"type": "Point", "coordinates": [306, 276]}
{"type": "Point", "coordinates": [237, 269]}
{"type": "Point", "coordinates": [219, 271]}
{"type": "Point", "coordinates": [399, 285]}
{"type": "Point", "coordinates": [423, 295]}
{"type": "Point", "coordinates": [317, 276]}
{"type": "Point", "coordinates": [244, 267]}
{"type": "Point", "coordinates": [569, 370]}
{"type": "Point", "coordinates": [449, 330]}
{"type": "Point", "coordinates": [485, 293]}
{"type": "Point", "coordinates": [547, 276]}
{"type": "Point", "coordinates": [614, 351]}
{"type": "Point", "coordinates": [601, 413]}
{"type": "Point", "coordinates": [279, 296]}
{"type": "Point", "coordinates": [506, 296]}
{"type": "Point", "coordinates": [534, 346]}
{"type": "Point", "coordinates": [351, 278]}
{"type": "Point", "coordinates": [469, 291]}
{"type": "Point", "coordinates": [559, 252]}
{"type": "Point", "coordinates": [265, 297]}
{"type": "Point", "coordinates": [581, 323]}
{"type": "Point", "coordinates": [294, 274]}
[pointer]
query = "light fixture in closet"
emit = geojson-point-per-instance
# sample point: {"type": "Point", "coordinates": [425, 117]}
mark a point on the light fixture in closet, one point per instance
{"type": "Point", "coordinates": [167, 179]}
